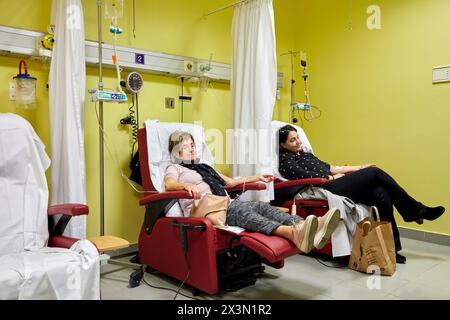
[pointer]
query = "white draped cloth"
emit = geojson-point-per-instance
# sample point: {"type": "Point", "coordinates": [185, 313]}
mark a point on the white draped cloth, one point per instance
{"type": "Point", "coordinates": [253, 90]}
{"type": "Point", "coordinates": [67, 96]}
{"type": "Point", "coordinates": [28, 268]}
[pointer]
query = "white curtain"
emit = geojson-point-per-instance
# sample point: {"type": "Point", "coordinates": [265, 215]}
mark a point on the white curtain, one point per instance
{"type": "Point", "coordinates": [67, 97]}
{"type": "Point", "coordinates": [253, 89]}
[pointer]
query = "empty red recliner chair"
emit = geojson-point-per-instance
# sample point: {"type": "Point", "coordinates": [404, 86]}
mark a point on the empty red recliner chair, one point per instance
{"type": "Point", "coordinates": [191, 249]}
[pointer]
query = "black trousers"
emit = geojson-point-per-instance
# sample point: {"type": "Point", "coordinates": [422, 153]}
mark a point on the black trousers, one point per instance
{"type": "Point", "coordinates": [374, 187]}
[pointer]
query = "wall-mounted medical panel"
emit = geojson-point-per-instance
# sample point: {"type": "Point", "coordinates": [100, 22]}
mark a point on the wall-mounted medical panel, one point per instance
{"type": "Point", "coordinates": [14, 41]}
{"type": "Point", "coordinates": [18, 41]}
{"type": "Point", "coordinates": [441, 74]}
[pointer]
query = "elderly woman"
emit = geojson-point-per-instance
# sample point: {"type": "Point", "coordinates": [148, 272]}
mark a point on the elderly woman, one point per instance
{"type": "Point", "coordinates": [200, 179]}
{"type": "Point", "coordinates": [364, 184]}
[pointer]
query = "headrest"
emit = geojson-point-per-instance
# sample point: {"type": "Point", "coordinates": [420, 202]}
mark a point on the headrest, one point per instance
{"type": "Point", "coordinates": [275, 126]}
{"type": "Point", "coordinates": [158, 134]}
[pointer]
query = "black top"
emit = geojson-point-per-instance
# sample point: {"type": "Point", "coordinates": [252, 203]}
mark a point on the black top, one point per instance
{"type": "Point", "coordinates": [301, 166]}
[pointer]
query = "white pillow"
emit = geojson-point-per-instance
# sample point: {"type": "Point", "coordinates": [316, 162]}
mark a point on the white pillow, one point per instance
{"type": "Point", "coordinates": [306, 145]}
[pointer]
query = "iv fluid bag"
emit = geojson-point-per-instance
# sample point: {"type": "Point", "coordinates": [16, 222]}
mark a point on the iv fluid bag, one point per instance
{"type": "Point", "coordinates": [113, 9]}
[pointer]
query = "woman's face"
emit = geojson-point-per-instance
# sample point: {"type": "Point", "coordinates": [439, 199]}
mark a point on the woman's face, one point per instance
{"type": "Point", "coordinates": [293, 142]}
{"type": "Point", "coordinates": [187, 150]}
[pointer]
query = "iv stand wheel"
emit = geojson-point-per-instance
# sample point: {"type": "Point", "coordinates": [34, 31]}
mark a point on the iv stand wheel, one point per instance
{"type": "Point", "coordinates": [135, 278]}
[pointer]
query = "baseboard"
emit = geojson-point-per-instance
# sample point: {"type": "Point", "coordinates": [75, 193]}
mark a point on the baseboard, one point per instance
{"type": "Point", "coordinates": [435, 238]}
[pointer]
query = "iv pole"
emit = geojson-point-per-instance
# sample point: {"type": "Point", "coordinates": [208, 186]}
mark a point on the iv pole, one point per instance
{"type": "Point", "coordinates": [101, 138]}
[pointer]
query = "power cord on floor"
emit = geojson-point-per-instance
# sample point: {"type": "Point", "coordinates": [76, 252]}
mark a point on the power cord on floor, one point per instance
{"type": "Point", "coordinates": [328, 266]}
{"type": "Point", "coordinates": [188, 273]}
{"type": "Point", "coordinates": [168, 289]}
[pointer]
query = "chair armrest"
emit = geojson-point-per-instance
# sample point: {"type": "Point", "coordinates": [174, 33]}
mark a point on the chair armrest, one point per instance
{"type": "Point", "coordinates": [69, 209]}
{"type": "Point", "coordinates": [247, 186]}
{"type": "Point", "coordinates": [61, 241]}
{"type": "Point", "coordinates": [312, 181]}
{"type": "Point", "coordinates": [182, 194]}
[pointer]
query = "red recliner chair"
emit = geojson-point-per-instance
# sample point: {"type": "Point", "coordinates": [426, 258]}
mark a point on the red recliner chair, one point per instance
{"type": "Point", "coordinates": [56, 230]}
{"type": "Point", "coordinates": [286, 190]}
{"type": "Point", "coordinates": [192, 250]}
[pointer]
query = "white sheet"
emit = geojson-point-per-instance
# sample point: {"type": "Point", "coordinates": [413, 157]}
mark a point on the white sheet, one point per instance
{"type": "Point", "coordinates": [51, 273]}
{"type": "Point", "coordinates": [23, 185]}
{"type": "Point", "coordinates": [29, 269]}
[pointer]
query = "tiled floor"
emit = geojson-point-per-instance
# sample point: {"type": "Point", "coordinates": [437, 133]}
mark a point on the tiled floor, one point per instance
{"type": "Point", "coordinates": [426, 275]}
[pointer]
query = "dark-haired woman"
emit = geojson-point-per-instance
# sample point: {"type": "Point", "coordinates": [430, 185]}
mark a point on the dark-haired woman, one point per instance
{"type": "Point", "coordinates": [366, 184]}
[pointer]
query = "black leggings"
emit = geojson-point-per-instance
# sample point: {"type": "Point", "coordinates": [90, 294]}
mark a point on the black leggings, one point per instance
{"type": "Point", "coordinates": [374, 187]}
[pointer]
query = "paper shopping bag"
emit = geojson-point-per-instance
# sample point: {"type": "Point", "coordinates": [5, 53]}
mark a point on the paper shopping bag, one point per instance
{"type": "Point", "coordinates": [373, 248]}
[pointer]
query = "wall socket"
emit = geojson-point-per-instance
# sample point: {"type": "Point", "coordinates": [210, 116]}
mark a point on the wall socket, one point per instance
{"type": "Point", "coordinates": [170, 103]}
{"type": "Point", "coordinates": [12, 91]}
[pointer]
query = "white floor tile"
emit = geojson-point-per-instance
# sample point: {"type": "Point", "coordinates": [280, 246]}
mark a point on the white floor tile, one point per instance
{"type": "Point", "coordinates": [349, 291]}
{"type": "Point", "coordinates": [426, 275]}
{"type": "Point", "coordinates": [416, 291]}
{"type": "Point", "coordinates": [385, 283]}
{"type": "Point", "coordinates": [438, 276]}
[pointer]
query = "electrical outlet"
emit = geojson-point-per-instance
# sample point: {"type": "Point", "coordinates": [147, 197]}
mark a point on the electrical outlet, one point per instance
{"type": "Point", "coordinates": [170, 103]}
{"type": "Point", "coordinates": [12, 91]}
{"type": "Point", "coordinates": [188, 66]}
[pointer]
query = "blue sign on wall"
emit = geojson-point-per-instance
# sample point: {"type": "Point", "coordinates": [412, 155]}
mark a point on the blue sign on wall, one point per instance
{"type": "Point", "coordinates": [139, 58]}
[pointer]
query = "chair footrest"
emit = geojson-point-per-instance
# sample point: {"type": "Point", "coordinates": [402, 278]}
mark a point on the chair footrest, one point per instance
{"type": "Point", "coordinates": [271, 248]}
{"type": "Point", "coordinates": [108, 243]}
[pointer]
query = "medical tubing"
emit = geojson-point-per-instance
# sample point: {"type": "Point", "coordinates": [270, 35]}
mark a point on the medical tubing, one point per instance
{"type": "Point", "coordinates": [115, 59]}
{"type": "Point", "coordinates": [134, 125]}
{"type": "Point", "coordinates": [294, 208]}
{"type": "Point", "coordinates": [114, 157]}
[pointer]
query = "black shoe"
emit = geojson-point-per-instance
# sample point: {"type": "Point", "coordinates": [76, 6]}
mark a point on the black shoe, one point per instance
{"type": "Point", "coordinates": [429, 213]}
{"type": "Point", "coordinates": [399, 258]}
{"type": "Point", "coordinates": [433, 213]}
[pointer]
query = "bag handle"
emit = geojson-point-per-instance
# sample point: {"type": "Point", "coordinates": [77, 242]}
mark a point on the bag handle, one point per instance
{"type": "Point", "coordinates": [366, 228]}
{"type": "Point", "coordinates": [383, 246]}
{"type": "Point", "coordinates": [373, 209]}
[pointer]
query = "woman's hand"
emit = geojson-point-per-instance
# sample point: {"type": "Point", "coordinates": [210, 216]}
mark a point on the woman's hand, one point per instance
{"type": "Point", "coordinates": [192, 190]}
{"type": "Point", "coordinates": [366, 166]}
{"type": "Point", "coordinates": [336, 176]}
{"type": "Point", "coordinates": [266, 178]}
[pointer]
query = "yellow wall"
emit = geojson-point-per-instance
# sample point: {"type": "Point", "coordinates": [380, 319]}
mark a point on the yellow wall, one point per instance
{"type": "Point", "coordinates": [174, 26]}
{"type": "Point", "coordinates": [374, 89]}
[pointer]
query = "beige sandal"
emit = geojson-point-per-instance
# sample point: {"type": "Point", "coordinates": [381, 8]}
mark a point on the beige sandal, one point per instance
{"type": "Point", "coordinates": [304, 233]}
{"type": "Point", "coordinates": [332, 218]}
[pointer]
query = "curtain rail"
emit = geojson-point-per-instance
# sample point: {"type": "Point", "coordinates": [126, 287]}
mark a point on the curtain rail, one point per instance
{"type": "Point", "coordinates": [223, 8]}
